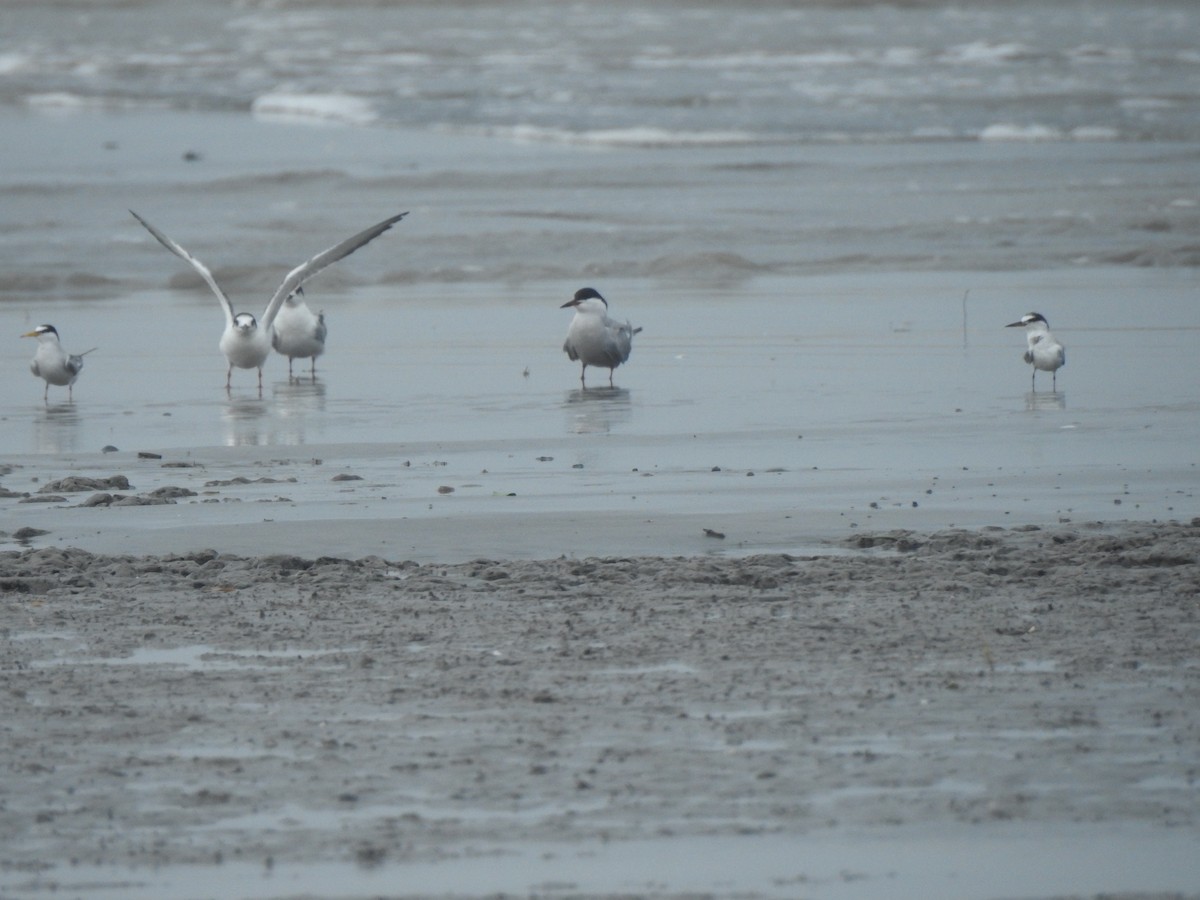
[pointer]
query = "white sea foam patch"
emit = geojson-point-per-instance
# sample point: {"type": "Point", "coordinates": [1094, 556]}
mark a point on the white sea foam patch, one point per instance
{"type": "Point", "coordinates": [987, 53]}
{"type": "Point", "coordinates": [1005, 131]}
{"type": "Point", "coordinates": [66, 102]}
{"type": "Point", "coordinates": [55, 100]}
{"type": "Point", "coordinates": [343, 109]}
{"type": "Point", "coordinates": [626, 137]}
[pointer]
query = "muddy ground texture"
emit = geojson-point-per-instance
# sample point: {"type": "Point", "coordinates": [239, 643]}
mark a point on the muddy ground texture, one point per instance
{"type": "Point", "coordinates": [202, 707]}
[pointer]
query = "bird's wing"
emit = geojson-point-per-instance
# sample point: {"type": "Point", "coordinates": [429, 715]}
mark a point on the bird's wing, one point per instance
{"type": "Point", "coordinates": [194, 263]}
{"type": "Point", "coordinates": [75, 363]}
{"type": "Point", "coordinates": [617, 347]}
{"type": "Point", "coordinates": [618, 340]}
{"type": "Point", "coordinates": [307, 270]}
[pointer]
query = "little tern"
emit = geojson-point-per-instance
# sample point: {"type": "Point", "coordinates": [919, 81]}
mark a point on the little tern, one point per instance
{"type": "Point", "coordinates": [1043, 352]}
{"type": "Point", "coordinates": [594, 339]}
{"type": "Point", "coordinates": [52, 363]}
{"type": "Point", "coordinates": [245, 342]}
{"type": "Point", "coordinates": [299, 333]}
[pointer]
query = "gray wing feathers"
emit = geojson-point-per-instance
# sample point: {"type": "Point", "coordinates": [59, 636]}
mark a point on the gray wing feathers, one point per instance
{"type": "Point", "coordinates": [294, 278]}
{"type": "Point", "coordinates": [325, 258]}
{"type": "Point", "coordinates": [620, 341]}
{"type": "Point", "coordinates": [194, 263]}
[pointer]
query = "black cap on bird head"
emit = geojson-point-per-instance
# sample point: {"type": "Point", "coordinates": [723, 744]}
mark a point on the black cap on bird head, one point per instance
{"type": "Point", "coordinates": [1028, 319]}
{"type": "Point", "coordinates": [582, 294]}
{"type": "Point", "coordinates": [40, 330]}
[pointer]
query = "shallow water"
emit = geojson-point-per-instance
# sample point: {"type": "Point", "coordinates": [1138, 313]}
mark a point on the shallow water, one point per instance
{"type": "Point", "coordinates": [772, 414]}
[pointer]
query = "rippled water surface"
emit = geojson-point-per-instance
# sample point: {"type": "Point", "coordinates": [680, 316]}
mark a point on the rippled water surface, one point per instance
{"type": "Point", "coordinates": [631, 71]}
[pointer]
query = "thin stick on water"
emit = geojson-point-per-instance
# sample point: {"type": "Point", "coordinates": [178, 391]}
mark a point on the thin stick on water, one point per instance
{"type": "Point", "coordinates": [966, 294]}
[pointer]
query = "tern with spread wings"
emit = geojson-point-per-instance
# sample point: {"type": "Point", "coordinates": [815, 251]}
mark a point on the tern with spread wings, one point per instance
{"type": "Point", "coordinates": [246, 341]}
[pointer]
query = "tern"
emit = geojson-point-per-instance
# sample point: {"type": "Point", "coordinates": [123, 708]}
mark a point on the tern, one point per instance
{"type": "Point", "coordinates": [594, 339]}
{"type": "Point", "coordinates": [299, 333]}
{"type": "Point", "coordinates": [1043, 352]}
{"type": "Point", "coordinates": [246, 342]}
{"type": "Point", "coordinates": [52, 363]}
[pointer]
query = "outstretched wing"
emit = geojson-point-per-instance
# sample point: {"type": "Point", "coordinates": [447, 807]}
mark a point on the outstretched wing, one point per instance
{"type": "Point", "coordinates": [194, 263]}
{"type": "Point", "coordinates": [307, 270]}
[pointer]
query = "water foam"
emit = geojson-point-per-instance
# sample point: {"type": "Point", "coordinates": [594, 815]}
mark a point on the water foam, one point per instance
{"type": "Point", "coordinates": [644, 136]}
{"type": "Point", "coordinates": [344, 109]}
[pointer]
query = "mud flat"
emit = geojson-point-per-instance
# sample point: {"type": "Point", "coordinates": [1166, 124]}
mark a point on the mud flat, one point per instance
{"type": "Point", "coordinates": [989, 712]}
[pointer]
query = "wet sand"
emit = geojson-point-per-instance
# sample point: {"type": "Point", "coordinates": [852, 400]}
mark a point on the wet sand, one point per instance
{"type": "Point", "coordinates": [898, 716]}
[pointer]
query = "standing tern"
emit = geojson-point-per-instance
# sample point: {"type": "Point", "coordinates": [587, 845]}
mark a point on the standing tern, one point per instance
{"type": "Point", "coordinates": [1043, 352]}
{"type": "Point", "coordinates": [245, 343]}
{"type": "Point", "coordinates": [299, 333]}
{"type": "Point", "coordinates": [52, 363]}
{"type": "Point", "coordinates": [594, 339]}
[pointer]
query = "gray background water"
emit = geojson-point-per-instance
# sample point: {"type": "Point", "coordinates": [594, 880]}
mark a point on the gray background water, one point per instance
{"type": "Point", "coordinates": [548, 140]}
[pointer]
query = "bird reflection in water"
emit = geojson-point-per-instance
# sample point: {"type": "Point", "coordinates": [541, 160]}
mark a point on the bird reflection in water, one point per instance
{"type": "Point", "coordinates": [294, 401]}
{"type": "Point", "coordinates": [1054, 400]}
{"type": "Point", "coordinates": [56, 428]}
{"type": "Point", "coordinates": [597, 410]}
{"type": "Point", "coordinates": [243, 418]}
{"type": "Point", "coordinates": [279, 420]}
